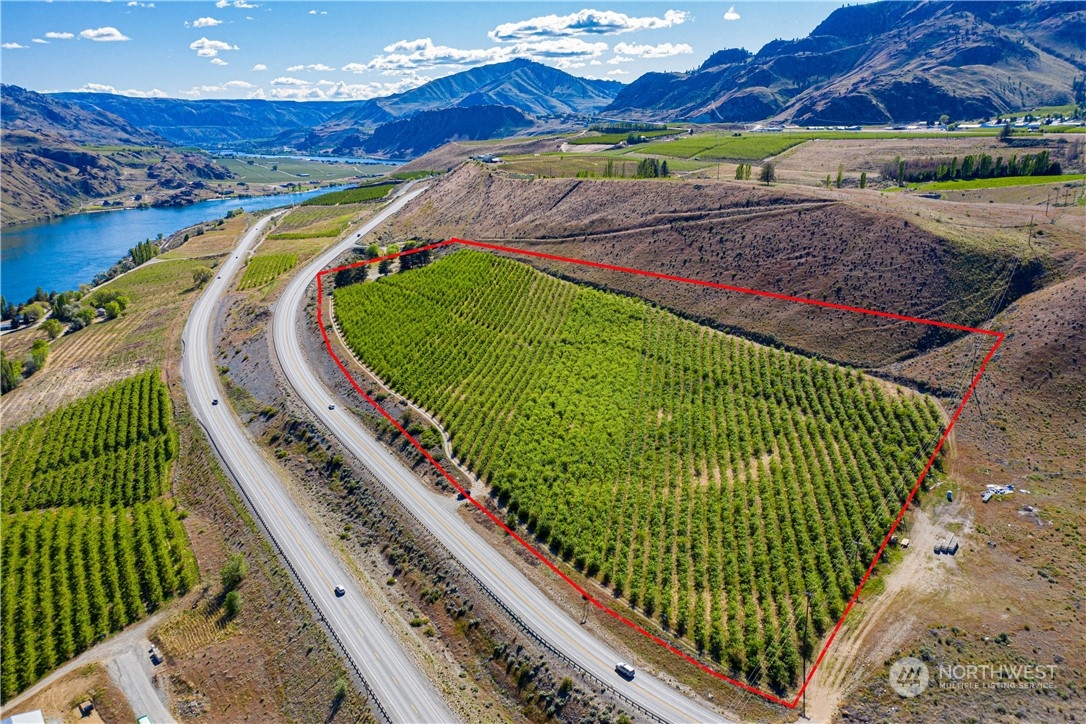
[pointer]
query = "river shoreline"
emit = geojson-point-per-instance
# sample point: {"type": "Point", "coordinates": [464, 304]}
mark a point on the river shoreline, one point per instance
{"type": "Point", "coordinates": [87, 210]}
{"type": "Point", "coordinates": [63, 252]}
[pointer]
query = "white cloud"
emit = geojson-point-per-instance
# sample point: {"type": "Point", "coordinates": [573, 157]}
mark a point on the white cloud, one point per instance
{"type": "Point", "coordinates": [419, 54]}
{"type": "Point", "coordinates": [260, 66]}
{"type": "Point", "coordinates": [13, 46]}
{"type": "Point", "coordinates": [314, 12]}
{"type": "Point", "coordinates": [136, 4]}
{"type": "Point", "coordinates": [619, 59]}
{"type": "Point", "coordinates": [312, 67]}
{"type": "Point", "coordinates": [235, 4]}
{"type": "Point", "coordinates": [218, 61]}
{"type": "Point", "coordinates": [559, 48]}
{"type": "Point", "coordinates": [286, 80]}
{"type": "Point", "coordinates": [101, 88]}
{"type": "Point", "coordinates": [210, 48]}
{"type": "Point", "coordinates": [52, 35]}
{"type": "Point", "coordinates": [328, 90]}
{"type": "Point", "coordinates": [198, 90]}
{"type": "Point", "coordinates": [39, 41]}
{"type": "Point", "coordinates": [731, 14]}
{"type": "Point", "coordinates": [103, 35]}
{"type": "Point", "coordinates": [585, 22]}
{"type": "Point", "coordinates": [208, 22]}
{"type": "Point", "coordinates": [238, 84]}
{"type": "Point", "coordinates": [258, 93]}
{"type": "Point", "coordinates": [568, 63]}
{"type": "Point", "coordinates": [618, 71]}
{"type": "Point", "coordinates": [663, 50]}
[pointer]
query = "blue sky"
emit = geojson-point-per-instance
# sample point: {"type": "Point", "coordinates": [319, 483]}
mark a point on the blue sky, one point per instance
{"type": "Point", "coordinates": [355, 50]}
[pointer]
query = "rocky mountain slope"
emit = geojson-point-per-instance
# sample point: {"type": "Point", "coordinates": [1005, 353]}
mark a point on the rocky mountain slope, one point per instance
{"type": "Point", "coordinates": [426, 130]}
{"type": "Point", "coordinates": [57, 156]}
{"type": "Point", "coordinates": [882, 62]}
{"type": "Point", "coordinates": [531, 88]}
{"type": "Point", "coordinates": [25, 110]}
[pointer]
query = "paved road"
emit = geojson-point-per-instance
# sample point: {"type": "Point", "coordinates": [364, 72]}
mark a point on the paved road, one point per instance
{"type": "Point", "coordinates": [131, 672]}
{"type": "Point", "coordinates": [438, 514]}
{"type": "Point", "coordinates": [404, 691]}
{"type": "Point", "coordinates": [133, 638]}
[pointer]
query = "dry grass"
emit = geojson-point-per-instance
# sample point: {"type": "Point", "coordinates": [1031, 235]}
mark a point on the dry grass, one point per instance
{"type": "Point", "coordinates": [195, 628]}
{"type": "Point", "coordinates": [59, 700]}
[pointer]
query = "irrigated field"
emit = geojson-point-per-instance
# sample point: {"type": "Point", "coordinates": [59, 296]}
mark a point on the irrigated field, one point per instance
{"type": "Point", "coordinates": [708, 480]}
{"type": "Point", "coordinates": [265, 268]}
{"type": "Point", "coordinates": [311, 222]}
{"type": "Point", "coordinates": [756, 146]}
{"type": "Point", "coordinates": [90, 545]}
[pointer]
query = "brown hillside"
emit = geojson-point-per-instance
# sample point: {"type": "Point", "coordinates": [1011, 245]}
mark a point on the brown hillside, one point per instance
{"type": "Point", "coordinates": [790, 241]}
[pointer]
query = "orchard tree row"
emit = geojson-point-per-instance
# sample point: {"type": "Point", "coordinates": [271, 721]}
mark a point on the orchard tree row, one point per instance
{"type": "Point", "coordinates": [89, 543]}
{"type": "Point", "coordinates": [710, 481]}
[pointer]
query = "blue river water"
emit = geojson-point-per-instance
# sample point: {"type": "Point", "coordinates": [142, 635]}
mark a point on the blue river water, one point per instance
{"type": "Point", "coordinates": [61, 254]}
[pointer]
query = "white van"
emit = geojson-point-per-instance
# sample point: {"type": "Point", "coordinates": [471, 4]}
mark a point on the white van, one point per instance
{"type": "Point", "coordinates": [624, 670]}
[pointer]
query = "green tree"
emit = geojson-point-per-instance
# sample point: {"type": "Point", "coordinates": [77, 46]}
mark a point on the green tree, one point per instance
{"type": "Point", "coordinates": [373, 251]}
{"type": "Point", "coordinates": [863, 179]}
{"type": "Point", "coordinates": [768, 174]}
{"type": "Point", "coordinates": [664, 170]}
{"type": "Point", "coordinates": [201, 275]}
{"type": "Point", "coordinates": [52, 327]}
{"type": "Point", "coordinates": [233, 572]}
{"type": "Point", "coordinates": [1005, 132]}
{"type": "Point", "coordinates": [739, 171]}
{"type": "Point", "coordinates": [840, 174]}
{"type": "Point", "coordinates": [11, 373]}
{"type": "Point", "coordinates": [113, 310]}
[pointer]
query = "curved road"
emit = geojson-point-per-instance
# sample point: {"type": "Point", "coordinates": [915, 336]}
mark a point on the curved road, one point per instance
{"type": "Point", "coordinates": [405, 692]}
{"type": "Point", "coordinates": [438, 512]}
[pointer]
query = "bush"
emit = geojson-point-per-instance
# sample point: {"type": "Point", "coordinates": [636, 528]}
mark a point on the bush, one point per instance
{"type": "Point", "coordinates": [232, 604]}
{"type": "Point", "coordinates": [52, 327]}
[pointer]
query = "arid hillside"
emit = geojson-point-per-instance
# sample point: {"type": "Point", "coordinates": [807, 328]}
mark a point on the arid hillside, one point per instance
{"type": "Point", "coordinates": [46, 175]}
{"type": "Point", "coordinates": [1010, 596]}
{"type": "Point", "coordinates": [790, 241]}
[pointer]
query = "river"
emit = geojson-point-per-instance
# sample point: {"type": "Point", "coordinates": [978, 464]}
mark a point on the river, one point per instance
{"type": "Point", "coordinates": [63, 253]}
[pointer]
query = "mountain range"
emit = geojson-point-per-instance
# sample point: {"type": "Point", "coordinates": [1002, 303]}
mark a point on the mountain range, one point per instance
{"type": "Point", "coordinates": [874, 63]}
{"type": "Point", "coordinates": [531, 88]}
{"type": "Point", "coordinates": [883, 62]}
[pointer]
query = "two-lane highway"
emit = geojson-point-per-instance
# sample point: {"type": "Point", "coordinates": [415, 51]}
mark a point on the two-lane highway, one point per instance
{"type": "Point", "coordinates": [438, 513]}
{"type": "Point", "coordinates": [401, 688]}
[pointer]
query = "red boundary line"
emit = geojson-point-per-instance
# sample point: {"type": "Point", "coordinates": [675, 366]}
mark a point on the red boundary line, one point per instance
{"type": "Point", "coordinates": [772, 295]}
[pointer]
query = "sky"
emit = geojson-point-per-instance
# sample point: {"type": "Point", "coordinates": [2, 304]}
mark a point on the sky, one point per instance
{"type": "Point", "coordinates": [328, 50]}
